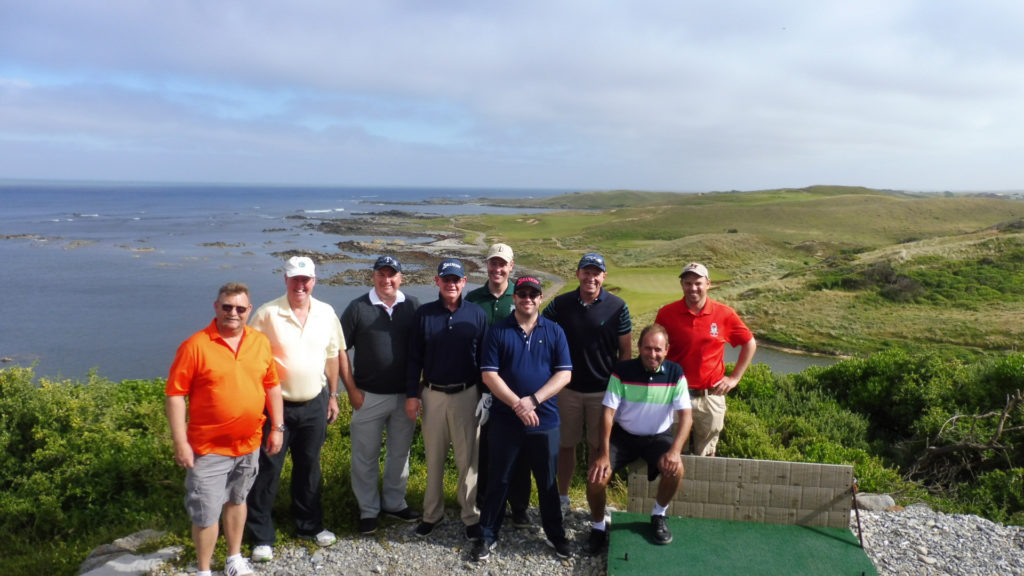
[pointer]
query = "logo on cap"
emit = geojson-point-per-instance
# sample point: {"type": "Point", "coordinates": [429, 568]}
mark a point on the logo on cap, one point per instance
{"type": "Point", "coordinates": [451, 267]}
{"type": "Point", "coordinates": [389, 262]}
{"type": "Point", "coordinates": [592, 259]}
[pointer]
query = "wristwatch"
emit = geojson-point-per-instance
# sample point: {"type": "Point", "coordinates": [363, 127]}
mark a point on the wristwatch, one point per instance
{"type": "Point", "coordinates": [278, 428]}
{"type": "Point", "coordinates": [335, 394]}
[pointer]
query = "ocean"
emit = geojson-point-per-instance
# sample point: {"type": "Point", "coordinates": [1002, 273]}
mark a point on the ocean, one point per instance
{"type": "Point", "coordinates": [114, 276]}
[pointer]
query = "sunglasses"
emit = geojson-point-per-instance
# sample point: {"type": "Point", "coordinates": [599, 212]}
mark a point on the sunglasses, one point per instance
{"type": "Point", "coordinates": [528, 295]}
{"type": "Point", "coordinates": [238, 309]}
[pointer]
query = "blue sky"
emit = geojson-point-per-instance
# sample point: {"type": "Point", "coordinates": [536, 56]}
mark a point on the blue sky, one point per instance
{"type": "Point", "coordinates": [676, 95]}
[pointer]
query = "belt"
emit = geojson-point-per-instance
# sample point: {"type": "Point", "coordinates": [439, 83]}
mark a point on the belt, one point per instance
{"type": "Point", "coordinates": [702, 392]}
{"type": "Point", "coordinates": [448, 388]}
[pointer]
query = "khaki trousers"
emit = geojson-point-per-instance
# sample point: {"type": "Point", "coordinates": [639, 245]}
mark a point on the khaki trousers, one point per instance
{"type": "Point", "coordinates": [450, 419]}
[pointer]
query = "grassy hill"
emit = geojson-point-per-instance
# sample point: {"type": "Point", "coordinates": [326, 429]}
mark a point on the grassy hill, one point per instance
{"type": "Point", "coordinates": [777, 256]}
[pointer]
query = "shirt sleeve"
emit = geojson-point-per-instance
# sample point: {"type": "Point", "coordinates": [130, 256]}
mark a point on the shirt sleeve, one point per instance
{"type": "Point", "coordinates": [613, 395]}
{"type": "Point", "coordinates": [179, 379]}
{"type": "Point", "coordinates": [414, 368]}
{"type": "Point", "coordinates": [489, 356]}
{"type": "Point", "coordinates": [625, 321]}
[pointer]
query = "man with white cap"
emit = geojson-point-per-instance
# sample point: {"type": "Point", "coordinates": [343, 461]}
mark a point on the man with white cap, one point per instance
{"type": "Point", "coordinates": [306, 339]}
{"type": "Point", "coordinates": [496, 298]}
{"type": "Point", "coordinates": [698, 329]}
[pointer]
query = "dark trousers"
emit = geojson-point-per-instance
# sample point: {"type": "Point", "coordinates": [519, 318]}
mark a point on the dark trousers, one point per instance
{"type": "Point", "coordinates": [519, 483]}
{"type": "Point", "coordinates": [304, 435]}
{"type": "Point", "coordinates": [508, 439]}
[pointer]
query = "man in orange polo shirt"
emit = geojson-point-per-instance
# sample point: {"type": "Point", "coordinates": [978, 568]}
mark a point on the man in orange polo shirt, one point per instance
{"type": "Point", "coordinates": [698, 329]}
{"type": "Point", "coordinates": [226, 371]}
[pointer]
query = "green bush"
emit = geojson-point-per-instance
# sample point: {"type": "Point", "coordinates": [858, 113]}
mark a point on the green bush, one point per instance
{"type": "Point", "coordinates": [82, 463]}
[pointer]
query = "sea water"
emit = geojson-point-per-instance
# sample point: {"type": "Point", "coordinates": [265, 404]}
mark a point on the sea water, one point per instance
{"type": "Point", "coordinates": [115, 276]}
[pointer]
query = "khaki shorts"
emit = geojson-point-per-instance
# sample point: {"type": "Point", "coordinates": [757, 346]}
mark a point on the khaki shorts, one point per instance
{"type": "Point", "coordinates": [214, 480]}
{"type": "Point", "coordinates": [576, 410]}
{"type": "Point", "coordinates": [708, 422]}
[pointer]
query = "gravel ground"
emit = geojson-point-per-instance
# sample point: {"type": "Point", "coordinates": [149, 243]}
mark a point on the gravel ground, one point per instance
{"type": "Point", "coordinates": [912, 542]}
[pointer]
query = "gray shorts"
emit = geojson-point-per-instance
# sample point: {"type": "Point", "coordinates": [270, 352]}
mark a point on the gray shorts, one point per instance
{"type": "Point", "coordinates": [215, 480]}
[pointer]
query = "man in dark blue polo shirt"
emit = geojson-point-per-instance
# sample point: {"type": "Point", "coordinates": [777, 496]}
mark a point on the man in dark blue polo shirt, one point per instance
{"type": "Point", "coordinates": [599, 330]}
{"type": "Point", "coordinates": [444, 368]}
{"type": "Point", "coordinates": [525, 364]}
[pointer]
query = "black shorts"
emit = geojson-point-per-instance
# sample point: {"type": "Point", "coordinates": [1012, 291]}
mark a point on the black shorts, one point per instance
{"type": "Point", "coordinates": [625, 448]}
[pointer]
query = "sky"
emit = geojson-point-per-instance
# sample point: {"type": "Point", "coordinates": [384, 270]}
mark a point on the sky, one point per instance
{"type": "Point", "coordinates": [676, 95]}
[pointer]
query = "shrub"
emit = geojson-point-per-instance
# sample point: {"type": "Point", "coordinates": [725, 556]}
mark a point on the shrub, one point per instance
{"type": "Point", "coordinates": [82, 463]}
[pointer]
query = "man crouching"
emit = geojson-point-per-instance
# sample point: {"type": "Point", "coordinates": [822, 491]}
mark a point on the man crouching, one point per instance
{"type": "Point", "coordinates": [643, 393]}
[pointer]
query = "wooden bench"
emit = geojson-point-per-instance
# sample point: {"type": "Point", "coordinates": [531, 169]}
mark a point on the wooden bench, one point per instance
{"type": "Point", "coordinates": [752, 491]}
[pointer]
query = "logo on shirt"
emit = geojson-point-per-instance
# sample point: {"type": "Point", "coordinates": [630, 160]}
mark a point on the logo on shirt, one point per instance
{"type": "Point", "coordinates": [714, 329]}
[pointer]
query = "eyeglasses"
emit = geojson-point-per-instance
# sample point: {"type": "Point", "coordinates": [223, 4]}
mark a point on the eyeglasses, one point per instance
{"type": "Point", "coordinates": [238, 309]}
{"type": "Point", "coordinates": [451, 279]}
{"type": "Point", "coordinates": [528, 295]}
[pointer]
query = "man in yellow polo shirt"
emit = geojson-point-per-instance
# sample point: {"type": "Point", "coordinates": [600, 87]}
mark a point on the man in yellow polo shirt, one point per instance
{"type": "Point", "coordinates": [306, 338]}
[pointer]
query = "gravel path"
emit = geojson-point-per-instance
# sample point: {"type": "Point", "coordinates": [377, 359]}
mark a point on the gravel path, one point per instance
{"type": "Point", "coordinates": [912, 542]}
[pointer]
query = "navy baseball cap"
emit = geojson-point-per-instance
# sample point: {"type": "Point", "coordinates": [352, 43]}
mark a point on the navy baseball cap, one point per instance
{"type": "Point", "coordinates": [451, 267]}
{"type": "Point", "coordinates": [592, 259]}
{"type": "Point", "coordinates": [388, 262]}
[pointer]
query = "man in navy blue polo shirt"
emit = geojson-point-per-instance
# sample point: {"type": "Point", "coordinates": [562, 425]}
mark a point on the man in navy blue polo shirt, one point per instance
{"type": "Point", "coordinates": [444, 370]}
{"type": "Point", "coordinates": [525, 364]}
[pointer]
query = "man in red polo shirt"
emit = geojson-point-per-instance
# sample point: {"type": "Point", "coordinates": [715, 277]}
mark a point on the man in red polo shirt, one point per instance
{"type": "Point", "coordinates": [698, 329]}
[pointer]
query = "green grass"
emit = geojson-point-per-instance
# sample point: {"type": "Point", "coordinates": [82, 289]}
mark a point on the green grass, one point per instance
{"type": "Point", "coordinates": [769, 252]}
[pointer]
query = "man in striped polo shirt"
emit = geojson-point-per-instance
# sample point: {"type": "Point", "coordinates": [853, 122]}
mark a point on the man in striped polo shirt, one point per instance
{"type": "Point", "coordinates": [643, 395]}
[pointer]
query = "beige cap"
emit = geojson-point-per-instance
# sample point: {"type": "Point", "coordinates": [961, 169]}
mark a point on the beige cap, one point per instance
{"type": "Point", "coordinates": [695, 268]}
{"type": "Point", "coordinates": [503, 251]}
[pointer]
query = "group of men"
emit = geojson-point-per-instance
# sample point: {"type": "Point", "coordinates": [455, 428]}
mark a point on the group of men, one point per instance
{"type": "Point", "coordinates": [510, 388]}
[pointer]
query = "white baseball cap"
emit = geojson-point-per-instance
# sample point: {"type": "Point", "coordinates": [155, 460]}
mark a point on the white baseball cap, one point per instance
{"type": "Point", "coordinates": [299, 266]}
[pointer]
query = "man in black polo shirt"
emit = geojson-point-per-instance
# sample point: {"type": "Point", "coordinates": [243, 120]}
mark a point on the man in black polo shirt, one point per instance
{"type": "Point", "coordinates": [444, 369]}
{"type": "Point", "coordinates": [599, 330]}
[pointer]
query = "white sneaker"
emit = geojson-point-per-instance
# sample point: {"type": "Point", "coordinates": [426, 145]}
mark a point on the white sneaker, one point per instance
{"type": "Point", "coordinates": [240, 567]}
{"type": "Point", "coordinates": [262, 553]}
{"type": "Point", "coordinates": [325, 538]}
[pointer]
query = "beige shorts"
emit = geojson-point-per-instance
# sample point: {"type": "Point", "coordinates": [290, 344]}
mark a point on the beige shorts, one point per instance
{"type": "Point", "coordinates": [576, 410]}
{"type": "Point", "coordinates": [708, 422]}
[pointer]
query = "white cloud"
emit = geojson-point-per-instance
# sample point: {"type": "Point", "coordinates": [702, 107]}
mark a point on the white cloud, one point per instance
{"type": "Point", "coordinates": [662, 95]}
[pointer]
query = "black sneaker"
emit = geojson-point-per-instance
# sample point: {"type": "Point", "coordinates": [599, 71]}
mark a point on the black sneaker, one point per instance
{"type": "Point", "coordinates": [521, 519]}
{"type": "Point", "coordinates": [661, 531]}
{"type": "Point", "coordinates": [367, 525]}
{"type": "Point", "coordinates": [563, 549]}
{"type": "Point", "coordinates": [425, 528]}
{"type": "Point", "coordinates": [474, 532]}
{"type": "Point", "coordinates": [597, 542]}
{"type": "Point", "coordinates": [482, 550]}
{"type": "Point", "coordinates": [406, 514]}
